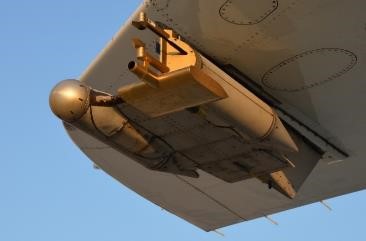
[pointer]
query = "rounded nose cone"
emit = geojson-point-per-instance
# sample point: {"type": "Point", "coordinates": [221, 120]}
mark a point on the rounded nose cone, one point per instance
{"type": "Point", "coordinates": [69, 100]}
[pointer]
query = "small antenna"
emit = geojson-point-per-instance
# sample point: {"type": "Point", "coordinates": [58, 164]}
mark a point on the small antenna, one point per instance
{"type": "Point", "coordinates": [219, 233]}
{"type": "Point", "coordinates": [326, 205]}
{"type": "Point", "coordinates": [271, 220]}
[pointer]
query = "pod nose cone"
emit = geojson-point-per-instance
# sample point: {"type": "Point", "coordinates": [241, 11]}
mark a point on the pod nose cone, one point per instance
{"type": "Point", "coordinates": [69, 100]}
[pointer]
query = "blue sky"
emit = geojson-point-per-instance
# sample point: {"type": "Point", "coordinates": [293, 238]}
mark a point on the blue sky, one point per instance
{"type": "Point", "coordinates": [48, 188]}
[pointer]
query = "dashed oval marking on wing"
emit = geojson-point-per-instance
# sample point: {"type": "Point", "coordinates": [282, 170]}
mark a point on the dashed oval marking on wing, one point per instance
{"type": "Point", "coordinates": [309, 69]}
{"type": "Point", "coordinates": [247, 12]}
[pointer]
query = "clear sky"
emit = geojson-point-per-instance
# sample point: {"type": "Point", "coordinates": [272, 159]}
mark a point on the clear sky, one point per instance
{"type": "Point", "coordinates": [48, 188]}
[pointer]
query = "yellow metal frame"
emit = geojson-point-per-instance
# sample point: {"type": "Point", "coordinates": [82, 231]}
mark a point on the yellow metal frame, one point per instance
{"type": "Point", "coordinates": [171, 83]}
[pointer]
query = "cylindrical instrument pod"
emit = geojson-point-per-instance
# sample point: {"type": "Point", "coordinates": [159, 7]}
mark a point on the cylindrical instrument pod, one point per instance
{"type": "Point", "coordinates": [246, 112]}
{"type": "Point", "coordinates": [70, 101]}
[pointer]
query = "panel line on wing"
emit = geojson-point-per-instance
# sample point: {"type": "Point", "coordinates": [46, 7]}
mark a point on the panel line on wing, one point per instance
{"type": "Point", "coordinates": [212, 198]}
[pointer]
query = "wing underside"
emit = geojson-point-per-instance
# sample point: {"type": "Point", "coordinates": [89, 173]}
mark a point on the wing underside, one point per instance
{"type": "Point", "coordinates": [209, 202]}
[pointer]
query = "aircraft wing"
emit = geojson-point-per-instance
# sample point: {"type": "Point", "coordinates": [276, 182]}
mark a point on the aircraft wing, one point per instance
{"type": "Point", "coordinates": [305, 59]}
